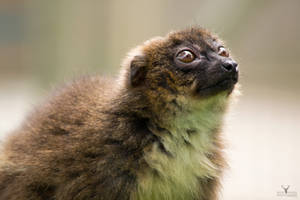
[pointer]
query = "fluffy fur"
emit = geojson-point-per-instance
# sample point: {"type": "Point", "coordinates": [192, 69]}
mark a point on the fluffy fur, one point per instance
{"type": "Point", "coordinates": [190, 140]}
{"type": "Point", "coordinates": [152, 134]}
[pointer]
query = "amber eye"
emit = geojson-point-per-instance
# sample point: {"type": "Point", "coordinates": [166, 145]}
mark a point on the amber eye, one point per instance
{"type": "Point", "coordinates": [223, 52]}
{"type": "Point", "coordinates": [186, 56]}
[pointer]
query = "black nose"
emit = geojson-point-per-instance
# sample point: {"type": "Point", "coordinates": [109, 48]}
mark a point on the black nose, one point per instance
{"type": "Point", "coordinates": [230, 66]}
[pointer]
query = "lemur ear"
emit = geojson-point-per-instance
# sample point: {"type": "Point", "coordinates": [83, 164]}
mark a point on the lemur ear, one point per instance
{"type": "Point", "coordinates": [137, 70]}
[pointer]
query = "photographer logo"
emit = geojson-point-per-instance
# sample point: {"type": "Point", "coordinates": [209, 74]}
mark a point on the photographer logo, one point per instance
{"type": "Point", "coordinates": [286, 192]}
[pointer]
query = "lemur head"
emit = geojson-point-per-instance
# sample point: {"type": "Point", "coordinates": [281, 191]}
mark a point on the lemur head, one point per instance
{"type": "Point", "coordinates": [191, 63]}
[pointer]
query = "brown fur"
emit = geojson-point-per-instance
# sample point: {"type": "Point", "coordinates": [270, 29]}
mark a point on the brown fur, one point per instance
{"type": "Point", "coordinates": [89, 140]}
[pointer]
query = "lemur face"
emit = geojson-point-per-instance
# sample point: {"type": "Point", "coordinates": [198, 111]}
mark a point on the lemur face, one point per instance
{"type": "Point", "coordinates": [202, 59]}
{"type": "Point", "coordinates": [191, 61]}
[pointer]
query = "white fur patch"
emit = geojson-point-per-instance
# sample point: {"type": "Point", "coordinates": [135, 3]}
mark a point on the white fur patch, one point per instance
{"type": "Point", "coordinates": [176, 177]}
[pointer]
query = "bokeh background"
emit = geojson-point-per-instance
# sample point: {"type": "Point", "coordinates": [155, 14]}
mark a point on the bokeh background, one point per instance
{"type": "Point", "coordinates": [45, 43]}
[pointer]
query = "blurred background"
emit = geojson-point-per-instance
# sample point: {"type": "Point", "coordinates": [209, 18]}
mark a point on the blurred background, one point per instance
{"type": "Point", "coordinates": [45, 43]}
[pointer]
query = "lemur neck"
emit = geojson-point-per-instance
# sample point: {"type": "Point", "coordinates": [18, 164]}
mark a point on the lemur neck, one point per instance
{"type": "Point", "coordinates": [187, 119]}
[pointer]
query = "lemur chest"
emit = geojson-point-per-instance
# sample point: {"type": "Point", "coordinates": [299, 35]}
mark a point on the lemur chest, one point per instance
{"type": "Point", "coordinates": [174, 173]}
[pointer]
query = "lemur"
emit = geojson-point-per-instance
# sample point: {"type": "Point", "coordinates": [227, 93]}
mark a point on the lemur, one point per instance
{"type": "Point", "coordinates": [153, 133]}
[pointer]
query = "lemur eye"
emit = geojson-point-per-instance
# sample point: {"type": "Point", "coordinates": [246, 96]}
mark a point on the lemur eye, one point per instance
{"type": "Point", "coordinates": [186, 56]}
{"type": "Point", "coordinates": [223, 52]}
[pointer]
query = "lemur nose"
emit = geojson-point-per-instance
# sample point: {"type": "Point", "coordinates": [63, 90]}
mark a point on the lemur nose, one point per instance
{"type": "Point", "coordinates": [230, 66]}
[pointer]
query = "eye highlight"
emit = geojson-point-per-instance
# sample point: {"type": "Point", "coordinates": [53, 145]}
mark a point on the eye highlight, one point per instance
{"type": "Point", "coordinates": [186, 56]}
{"type": "Point", "coordinates": [223, 52]}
